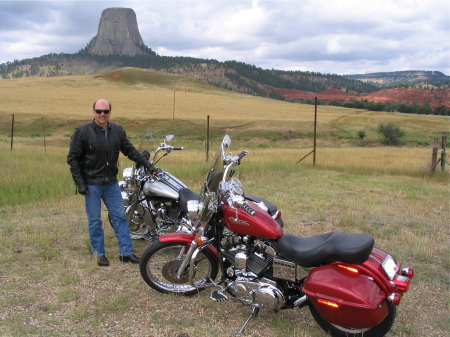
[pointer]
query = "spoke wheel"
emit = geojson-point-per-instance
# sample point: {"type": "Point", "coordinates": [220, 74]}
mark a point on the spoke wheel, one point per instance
{"type": "Point", "coordinates": [159, 266]}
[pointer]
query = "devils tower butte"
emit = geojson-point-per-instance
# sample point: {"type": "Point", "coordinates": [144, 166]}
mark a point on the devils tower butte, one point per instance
{"type": "Point", "coordinates": [117, 34]}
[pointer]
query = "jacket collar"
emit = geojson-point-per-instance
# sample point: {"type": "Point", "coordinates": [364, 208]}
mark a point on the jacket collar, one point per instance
{"type": "Point", "coordinates": [98, 127]}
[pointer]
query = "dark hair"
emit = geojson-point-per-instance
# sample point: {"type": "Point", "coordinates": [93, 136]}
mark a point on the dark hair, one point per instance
{"type": "Point", "coordinates": [93, 106]}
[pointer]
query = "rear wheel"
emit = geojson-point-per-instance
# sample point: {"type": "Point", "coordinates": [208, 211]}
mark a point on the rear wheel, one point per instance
{"type": "Point", "coordinates": [160, 262]}
{"type": "Point", "coordinates": [338, 331]}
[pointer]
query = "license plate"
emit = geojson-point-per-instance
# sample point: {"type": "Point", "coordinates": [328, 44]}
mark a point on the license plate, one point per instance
{"type": "Point", "coordinates": [390, 267]}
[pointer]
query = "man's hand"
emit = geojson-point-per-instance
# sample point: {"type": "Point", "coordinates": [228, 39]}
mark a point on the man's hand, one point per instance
{"type": "Point", "coordinates": [82, 189]}
{"type": "Point", "coordinates": [151, 169]}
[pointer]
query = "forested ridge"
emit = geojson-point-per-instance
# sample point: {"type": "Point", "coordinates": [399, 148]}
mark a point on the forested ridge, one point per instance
{"type": "Point", "coordinates": [230, 75]}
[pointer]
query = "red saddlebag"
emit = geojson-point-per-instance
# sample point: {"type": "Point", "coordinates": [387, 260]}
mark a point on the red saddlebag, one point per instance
{"type": "Point", "coordinates": [346, 298]}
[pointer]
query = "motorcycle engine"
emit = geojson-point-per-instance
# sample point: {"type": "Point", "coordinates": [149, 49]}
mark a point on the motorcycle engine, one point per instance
{"type": "Point", "coordinates": [262, 293]}
{"type": "Point", "coordinates": [248, 260]}
{"type": "Point", "coordinates": [168, 218]}
{"type": "Point", "coordinates": [258, 255]}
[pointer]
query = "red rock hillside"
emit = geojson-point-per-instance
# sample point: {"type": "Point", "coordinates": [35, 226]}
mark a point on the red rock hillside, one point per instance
{"type": "Point", "coordinates": [433, 97]}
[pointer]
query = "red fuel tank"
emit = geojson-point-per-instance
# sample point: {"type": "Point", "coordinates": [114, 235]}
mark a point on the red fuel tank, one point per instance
{"type": "Point", "coordinates": [261, 224]}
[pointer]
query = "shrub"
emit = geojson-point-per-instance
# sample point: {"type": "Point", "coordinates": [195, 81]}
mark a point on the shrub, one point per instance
{"type": "Point", "coordinates": [361, 134]}
{"type": "Point", "coordinates": [390, 133]}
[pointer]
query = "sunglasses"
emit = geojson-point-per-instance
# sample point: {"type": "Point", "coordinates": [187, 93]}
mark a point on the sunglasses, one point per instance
{"type": "Point", "coordinates": [104, 111]}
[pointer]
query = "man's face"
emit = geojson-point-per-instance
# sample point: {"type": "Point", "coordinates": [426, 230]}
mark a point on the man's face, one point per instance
{"type": "Point", "coordinates": [102, 118]}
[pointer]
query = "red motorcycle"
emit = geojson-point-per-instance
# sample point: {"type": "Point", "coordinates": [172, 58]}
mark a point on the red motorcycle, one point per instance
{"type": "Point", "coordinates": [350, 287]}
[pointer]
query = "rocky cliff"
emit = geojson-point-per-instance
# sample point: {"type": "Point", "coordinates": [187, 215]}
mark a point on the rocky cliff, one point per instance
{"type": "Point", "coordinates": [390, 79]}
{"type": "Point", "coordinates": [118, 34]}
{"type": "Point", "coordinates": [432, 97]}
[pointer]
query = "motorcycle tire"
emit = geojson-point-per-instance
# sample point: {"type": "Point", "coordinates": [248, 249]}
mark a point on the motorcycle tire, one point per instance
{"type": "Point", "coordinates": [338, 331]}
{"type": "Point", "coordinates": [160, 262]}
{"type": "Point", "coordinates": [138, 234]}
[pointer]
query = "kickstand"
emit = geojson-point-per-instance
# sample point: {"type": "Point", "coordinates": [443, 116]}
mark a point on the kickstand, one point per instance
{"type": "Point", "coordinates": [254, 314]}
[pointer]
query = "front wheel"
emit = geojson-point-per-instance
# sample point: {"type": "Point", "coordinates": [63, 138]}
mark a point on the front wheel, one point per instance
{"type": "Point", "coordinates": [160, 262]}
{"type": "Point", "coordinates": [338, 331]}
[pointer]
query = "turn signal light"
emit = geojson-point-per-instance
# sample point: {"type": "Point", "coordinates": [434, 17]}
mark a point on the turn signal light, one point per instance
{"type": "Point", "coordinates": [395, 298]}
{"type": "Point", "coordinates": [353, 270]}
{"type": "Point", "coordinates": [329, 303]}
{"type": "Point", "coordinates": [200, 240]}
{"type": "Point", "coordinates": [408, 272]}
{"type": "Point", "coordinates": [402, 283]}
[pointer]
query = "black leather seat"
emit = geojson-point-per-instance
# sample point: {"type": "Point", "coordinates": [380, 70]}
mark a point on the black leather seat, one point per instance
{"type": "Point", "coordinates": [270, 206]}
{"type": "Point", "coordinates": [185, 195]}
{"type": "Point", "coordinates": [314, 251]}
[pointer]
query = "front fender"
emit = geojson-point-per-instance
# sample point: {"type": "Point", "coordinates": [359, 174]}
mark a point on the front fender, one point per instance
{"type": "Point", "coordinates": [187, 238]}
{"type": "Point", "coordinates": [176, 237]}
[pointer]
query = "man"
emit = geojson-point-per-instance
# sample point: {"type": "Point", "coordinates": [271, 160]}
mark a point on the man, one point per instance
{"type": "Point", "coordinates": [93, 157]}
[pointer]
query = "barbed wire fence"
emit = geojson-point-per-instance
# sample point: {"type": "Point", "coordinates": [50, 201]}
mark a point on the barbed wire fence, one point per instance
{"type": "Point", "coordinates": [18, 129]}
{"type": "Point", "coordinates": [442, 160]}
{"type": "Point", "coordinates": [37, 131]}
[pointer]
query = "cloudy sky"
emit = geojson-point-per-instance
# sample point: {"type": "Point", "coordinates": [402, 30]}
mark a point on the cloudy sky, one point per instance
{"type": "Point", "coordinates": [326, 36]}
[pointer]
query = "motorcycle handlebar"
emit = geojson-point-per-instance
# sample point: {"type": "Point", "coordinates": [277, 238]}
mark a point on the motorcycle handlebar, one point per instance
{"type": "Point", "coordinates": [243, 154]}
{"type": "Point", "coordinates": [178, 148]}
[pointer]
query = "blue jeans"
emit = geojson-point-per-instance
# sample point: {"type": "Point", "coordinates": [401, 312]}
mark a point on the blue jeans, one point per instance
{"type": "Point", "coordinates": [112, 198]}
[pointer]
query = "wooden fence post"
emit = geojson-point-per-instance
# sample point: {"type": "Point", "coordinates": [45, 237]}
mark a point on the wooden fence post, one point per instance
{"type": "Point", "coordinates": [315, 135]}
{"type": "Point", "coordinates": [315, 131]}
{"type": "Point", "coordinates": [207, 139]}
{"type": "Point", "coordinates": [443, 154]}
{"type": "Point", "coordinates": [173, 111]}
{"type": "Point", "coordinates": [434, 155]}
{"type": "Point", "coordinates": [43, 130]}
{"type": "Point", "coordinates": [12, 132]}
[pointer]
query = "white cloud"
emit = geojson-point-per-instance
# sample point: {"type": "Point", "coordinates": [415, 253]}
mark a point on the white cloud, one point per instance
{"type": "Point", "coordinates": [329, 36]}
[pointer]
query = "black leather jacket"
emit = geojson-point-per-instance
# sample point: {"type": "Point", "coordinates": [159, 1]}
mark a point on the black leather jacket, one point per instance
{"type": "Point", "coordinates": [93, 159]}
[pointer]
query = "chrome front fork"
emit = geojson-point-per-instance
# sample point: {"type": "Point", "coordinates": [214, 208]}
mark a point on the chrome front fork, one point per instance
{"type": "Point", "coordinates": [189, 259]}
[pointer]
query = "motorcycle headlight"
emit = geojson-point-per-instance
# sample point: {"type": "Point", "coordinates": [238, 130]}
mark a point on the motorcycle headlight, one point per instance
{"type": "Point", "coordinates": [127, 174]}
{"type": "Point", "coordinates": [129, 177]}
{"type": "Point", "coordinates": [193, 209]}
{"type": "Point", "coordinates": [123, 185]}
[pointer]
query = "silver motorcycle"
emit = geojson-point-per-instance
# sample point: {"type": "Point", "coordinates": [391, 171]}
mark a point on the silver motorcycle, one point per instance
{"type": "Point", "coordinates": [157, 205]}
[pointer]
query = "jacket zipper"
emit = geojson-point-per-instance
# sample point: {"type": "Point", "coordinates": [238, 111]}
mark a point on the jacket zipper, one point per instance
{"type": "Point", "coordinates": [105, 141]}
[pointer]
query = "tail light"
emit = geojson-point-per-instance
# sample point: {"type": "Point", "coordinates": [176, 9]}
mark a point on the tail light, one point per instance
{"type": "Point", "coordinates": [395, 299]}
{"type": "Point", "coordinates": [329, 303]}
{"type": "Point", "coordinates": [408, 272]}
{"type": "Point", "coordinates": [352, 269]}
{"type": "Point", "coordinates": [277, 215]}
{"type": "Point", "coordinates": [402, 283]}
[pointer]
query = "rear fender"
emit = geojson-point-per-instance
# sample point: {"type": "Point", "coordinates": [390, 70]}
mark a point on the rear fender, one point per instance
{"type": "Point", "coordinates": [187, 238]}
{"type": "Point", "coordinates": [373, 267]}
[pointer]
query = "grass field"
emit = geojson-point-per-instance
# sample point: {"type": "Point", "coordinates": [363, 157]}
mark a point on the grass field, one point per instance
{"type": "Point", "coordinates": [171, 103]}
{"type": "Point", "coordinates": [50, 284]}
